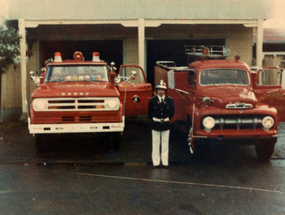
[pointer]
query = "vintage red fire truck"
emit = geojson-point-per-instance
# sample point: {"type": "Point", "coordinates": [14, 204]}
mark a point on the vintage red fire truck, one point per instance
{"type": "Point", "coordinates": [225, 100]}
{"type": "Point", "coordinates": [77, 96]}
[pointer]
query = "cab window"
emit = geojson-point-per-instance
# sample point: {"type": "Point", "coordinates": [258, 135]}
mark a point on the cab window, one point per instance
{"type": "Point", "coordinates": [127, 72]}
{"type": "Point", "coordinates": [269, 77]}
{"type": "Point", "coordinates": [93, 73]}
{"type": "Point", "coordinates": [224, 77]}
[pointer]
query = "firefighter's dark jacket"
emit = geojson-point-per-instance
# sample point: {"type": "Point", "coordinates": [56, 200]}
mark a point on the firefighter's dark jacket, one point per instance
{"type": "Point", "coordinates": [160, 111]}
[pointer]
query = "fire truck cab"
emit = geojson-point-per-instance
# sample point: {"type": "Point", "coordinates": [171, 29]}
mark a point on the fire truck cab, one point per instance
{"type": "Point", "coordinates": [225, 100]}
{"type": "Point", "coordinates": [77, 96]}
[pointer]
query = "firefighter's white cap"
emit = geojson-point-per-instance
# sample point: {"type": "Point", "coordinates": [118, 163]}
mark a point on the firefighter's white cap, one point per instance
{"type": "Point", "coordinates": [161, 85]}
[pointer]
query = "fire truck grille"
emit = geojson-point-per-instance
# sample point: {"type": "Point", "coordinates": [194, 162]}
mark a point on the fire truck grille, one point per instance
{"type": "Point", "coordinates": [76, 104]}
{"type": "Point", "coordinates": [237, 122]}
{"type": "Point", "coordinates": [80, 119]}
{"type": "Point", "coordinates": [68, 119]}
{"type": "Point", "coordinates": [85, 118]}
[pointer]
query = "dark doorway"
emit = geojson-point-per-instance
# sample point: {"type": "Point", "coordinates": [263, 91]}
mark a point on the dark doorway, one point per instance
{"type": "Point", "coordinates": [172, 50]}
{"type": "Point", "coordinates": [110, 50]}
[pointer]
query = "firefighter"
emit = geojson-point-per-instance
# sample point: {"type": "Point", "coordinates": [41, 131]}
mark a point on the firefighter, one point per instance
{"type": "Point", "coordinates": [160, 111]}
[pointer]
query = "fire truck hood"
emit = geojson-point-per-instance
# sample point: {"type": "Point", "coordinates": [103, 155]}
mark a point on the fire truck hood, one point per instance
{"type": "Point", "coordinates": [229, 95]}
{"type": "Point", "coordinates": [78, 89]}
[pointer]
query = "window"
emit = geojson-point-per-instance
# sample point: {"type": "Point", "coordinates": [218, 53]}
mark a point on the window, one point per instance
{"type": "Point", "coordinates": [127, 72]}
{"type": "Point", "coordinates": [224, 77]}
{"type": "Point", "coordinates": [270, 77]}
{"type": "Point", "coordinates": [77, 73]}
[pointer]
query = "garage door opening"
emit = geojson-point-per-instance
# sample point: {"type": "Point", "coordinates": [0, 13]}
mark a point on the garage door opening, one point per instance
{"type": "Point", "coordinates": [110, 50]}
{"type": "Point", "coordinates": [172, 50]}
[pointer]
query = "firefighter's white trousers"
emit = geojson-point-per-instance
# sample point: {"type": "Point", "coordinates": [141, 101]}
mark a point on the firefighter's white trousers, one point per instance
{"type": "Point", "coordinates": [160, 147]}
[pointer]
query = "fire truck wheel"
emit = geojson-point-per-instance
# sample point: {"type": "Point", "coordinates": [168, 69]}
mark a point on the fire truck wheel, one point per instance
{"type": "Point", "coordinates": [264, 149]}
{"type": "Point", "coordinates": [42, 143]}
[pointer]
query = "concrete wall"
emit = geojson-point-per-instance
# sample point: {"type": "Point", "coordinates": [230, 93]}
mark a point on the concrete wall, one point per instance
{"type": "Point", "coordinates": [11, 101]}
{"type": "Point", "coordinates": [131, 51]}
{"type": "Point", "coordinates": [31, 66]}
{"type": "Point", "coordinates": [238, 38]}
{"type": "Point", "coordinates": [11, 95]}
{"type": "Point", "coordinates": [135, 9]}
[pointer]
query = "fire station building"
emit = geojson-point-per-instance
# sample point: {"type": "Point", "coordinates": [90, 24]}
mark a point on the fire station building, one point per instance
{"type": "Point", "coordinates": [126, 32]}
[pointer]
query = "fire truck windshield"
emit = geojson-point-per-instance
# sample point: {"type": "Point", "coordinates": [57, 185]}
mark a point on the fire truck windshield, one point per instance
{"type": "Point", "coordinates": [224, 77]}
{"type": "Point", "coordinates": [77, 73]}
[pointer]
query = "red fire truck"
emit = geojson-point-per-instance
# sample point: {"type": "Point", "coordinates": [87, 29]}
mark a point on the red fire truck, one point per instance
{"type": "Point", "coordinates": [77, 96]}
{"type": "Point", "coordinates": [225, 100]}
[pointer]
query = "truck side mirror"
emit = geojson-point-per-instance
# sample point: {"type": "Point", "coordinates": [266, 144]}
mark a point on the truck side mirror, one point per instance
{"type": "Point", "coordinates": [38, 80]}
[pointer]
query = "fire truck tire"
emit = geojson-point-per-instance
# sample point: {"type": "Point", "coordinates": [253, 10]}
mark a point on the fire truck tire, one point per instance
{"type": "Point", "coordinates": [264, 149]}
{"type": "Point", "coordinates": [42, 144]}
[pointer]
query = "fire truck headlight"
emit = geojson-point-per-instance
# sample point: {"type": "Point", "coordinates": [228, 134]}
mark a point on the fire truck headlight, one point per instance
{"type": "Point", "coordinates": [112, 103]}
{"type": "Point", "coordinates": [267, 122]}
{"type": "Point", "coordinates": [208, 123]}
{"type": "Point", "coordinates": [39, 105]}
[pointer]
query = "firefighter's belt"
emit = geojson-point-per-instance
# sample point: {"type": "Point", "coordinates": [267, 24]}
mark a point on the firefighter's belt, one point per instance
{"type": "Point", "coordinates": [162, 120]}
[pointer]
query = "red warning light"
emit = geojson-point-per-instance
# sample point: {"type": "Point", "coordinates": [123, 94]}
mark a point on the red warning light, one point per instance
{"type": "Point", "coordinates": [57, 57]}
{"type": "Point", "coordinates": [96, 56]}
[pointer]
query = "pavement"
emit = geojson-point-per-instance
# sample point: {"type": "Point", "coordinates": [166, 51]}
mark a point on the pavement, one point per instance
{"type": "Point", "coordinates": [18, 146]}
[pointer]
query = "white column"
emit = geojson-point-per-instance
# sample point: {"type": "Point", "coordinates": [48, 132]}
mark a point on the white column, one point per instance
{"type": "Point", "coordinates": [22, 32]}
{"type": "Point", "coordinates": [259, 43]}
{"type": "Point", "coordinates": [141, 41]}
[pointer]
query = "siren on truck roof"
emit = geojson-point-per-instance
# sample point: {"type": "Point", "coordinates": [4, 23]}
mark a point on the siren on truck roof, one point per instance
{"type": "Point", "coordinates": [57, 57]}
{"type": "Point", "coordinates": [95, 56]}
{"type": "Point", "coordinates": [77, 55]}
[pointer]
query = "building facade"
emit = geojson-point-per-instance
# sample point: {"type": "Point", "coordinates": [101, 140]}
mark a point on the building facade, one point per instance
{"type": "Point", "coordinates": [133, 31]}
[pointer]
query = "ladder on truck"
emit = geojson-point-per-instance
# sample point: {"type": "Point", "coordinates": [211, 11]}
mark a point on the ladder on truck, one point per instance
{"type": "Point", "coordinates": [170, 65]}
{"type": "Point", "coordinates": [211, 51]}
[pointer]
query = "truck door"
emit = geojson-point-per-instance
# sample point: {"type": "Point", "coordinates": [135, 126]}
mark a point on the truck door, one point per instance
{"type": "Point", "coordinates": [135, 92]}
{"type": "Point", "coordinates": [269, 88]}
{"type": "Point", "coordinates": [182, 88]}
